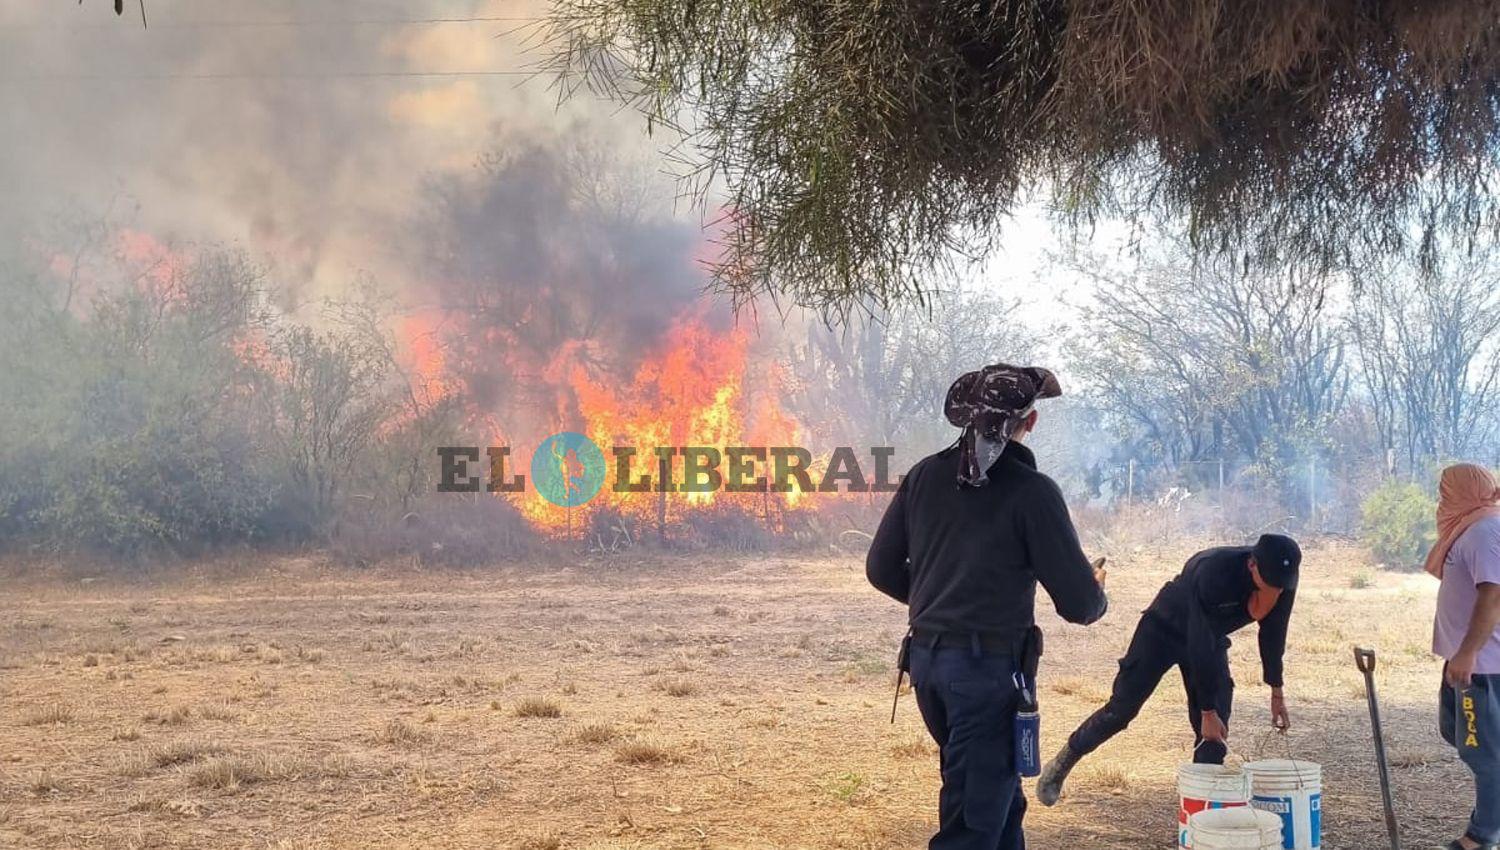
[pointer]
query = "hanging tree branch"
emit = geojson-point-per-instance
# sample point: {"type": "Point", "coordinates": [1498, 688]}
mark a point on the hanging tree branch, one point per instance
{"type": "Point", "coordinates": [865, 147]}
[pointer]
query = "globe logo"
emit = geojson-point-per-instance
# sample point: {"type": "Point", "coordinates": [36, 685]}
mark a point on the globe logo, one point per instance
{"type": "Point", "coordinates": [568, 469]}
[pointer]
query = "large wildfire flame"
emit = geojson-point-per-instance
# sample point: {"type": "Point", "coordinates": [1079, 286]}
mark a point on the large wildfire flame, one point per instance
{"type": "Point", "coordinates": [705, 382]}
{"type": "Point", "coordinates": [700, 387]}
{"type": "Point", "coordinates": [701, 390]}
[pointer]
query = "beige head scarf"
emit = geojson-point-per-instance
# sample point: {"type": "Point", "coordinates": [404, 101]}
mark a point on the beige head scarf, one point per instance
{"type": "Point", "coordinates": [1466, 494]}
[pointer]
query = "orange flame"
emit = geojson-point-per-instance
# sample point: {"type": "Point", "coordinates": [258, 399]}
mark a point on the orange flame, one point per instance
{"type": "Point", "coordinates": [702, 389]}
{"type": "Point", "coordinates": [426, 359]}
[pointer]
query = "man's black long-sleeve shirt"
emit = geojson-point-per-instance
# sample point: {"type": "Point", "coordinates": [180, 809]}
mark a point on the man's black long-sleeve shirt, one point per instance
{"type": "Point", "coordinates": [1209, 601]}
{"type": "Point", "coordinates": [967, 559]}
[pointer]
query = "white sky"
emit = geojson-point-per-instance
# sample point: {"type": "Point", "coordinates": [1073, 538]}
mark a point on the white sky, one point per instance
{"type": "Point", "coordinates": [1049, 294]}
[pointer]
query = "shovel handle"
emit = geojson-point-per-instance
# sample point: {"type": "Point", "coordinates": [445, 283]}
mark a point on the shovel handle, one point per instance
{"type": "Point", "coordinates": [1364, 659]}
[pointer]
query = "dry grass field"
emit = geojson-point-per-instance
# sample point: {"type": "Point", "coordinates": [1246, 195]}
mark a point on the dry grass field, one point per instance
{"type": "Point", "coordinates": [644, 701]}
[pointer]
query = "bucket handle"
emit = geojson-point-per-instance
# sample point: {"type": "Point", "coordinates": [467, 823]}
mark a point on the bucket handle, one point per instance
{"type": "Point", "coordinates": [1229, 751]}
{"type": "Point", "coordinates": [1286, 741]}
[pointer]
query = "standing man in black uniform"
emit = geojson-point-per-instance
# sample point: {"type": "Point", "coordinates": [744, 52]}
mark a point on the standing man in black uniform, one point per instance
{"type": "Point", "coordinates": [1219, 592]}
{"type": "Point", "coordinates": [967, 536]}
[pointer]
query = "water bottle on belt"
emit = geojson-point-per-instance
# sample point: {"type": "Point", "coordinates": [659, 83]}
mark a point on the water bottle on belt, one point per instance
{"type": "Point", "coordinates": [1028, 717]}
{"type": "Point", "coordinates": [1028, 730]}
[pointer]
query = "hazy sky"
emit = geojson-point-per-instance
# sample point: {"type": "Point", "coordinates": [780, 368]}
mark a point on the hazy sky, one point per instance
{"type": "Point", "coordinates": [303, 131]}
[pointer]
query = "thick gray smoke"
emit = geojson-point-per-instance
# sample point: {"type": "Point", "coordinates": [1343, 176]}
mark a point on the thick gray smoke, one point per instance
{"type": "Point", "coordinates": [550, 256]}
{"type": "Point", "coordinates": [310, 134]}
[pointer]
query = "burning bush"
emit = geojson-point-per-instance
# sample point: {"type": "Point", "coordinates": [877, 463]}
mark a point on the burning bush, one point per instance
{"type": "Point", "coordinates": [171, 406]}
{"type": "Point", "coordinates": [165, 403]}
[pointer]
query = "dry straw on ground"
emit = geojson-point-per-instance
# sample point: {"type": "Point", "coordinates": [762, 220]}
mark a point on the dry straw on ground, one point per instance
{"type": "Point", "coordinates": [539, 707]}
{"type": "Point", "coordinates": [424, 743]}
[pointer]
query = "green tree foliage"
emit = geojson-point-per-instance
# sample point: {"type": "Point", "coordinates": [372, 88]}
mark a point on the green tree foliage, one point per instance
{"type": "Point", "coordinates": [129, 422]}
{"type": "Point", "coordinates": [1398, 523]}
{"type": "Point", "coordinates": [165, 405]}
{"type": "Point", "coordinates": [864, 144]}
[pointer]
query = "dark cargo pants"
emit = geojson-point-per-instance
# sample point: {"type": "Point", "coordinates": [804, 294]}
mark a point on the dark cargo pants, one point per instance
{"type": "Point", "coordinates": [1470, 721]}
{"type": "Point", "coordinates": [1155, 649]}
{"type": "Point", "coordinates": [968, 700]}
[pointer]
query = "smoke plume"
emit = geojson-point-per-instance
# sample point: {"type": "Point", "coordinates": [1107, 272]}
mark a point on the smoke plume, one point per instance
{"type": "Point", "coordinates": [313, 135]}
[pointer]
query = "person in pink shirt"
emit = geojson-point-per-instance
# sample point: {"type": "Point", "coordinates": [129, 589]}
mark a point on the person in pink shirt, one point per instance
{"type": "Point", "coordinates": [1467, 635]}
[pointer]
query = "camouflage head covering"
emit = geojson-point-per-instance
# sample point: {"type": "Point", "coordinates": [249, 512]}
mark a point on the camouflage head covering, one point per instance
{"type": "Point", "coordinates": [991, 403]}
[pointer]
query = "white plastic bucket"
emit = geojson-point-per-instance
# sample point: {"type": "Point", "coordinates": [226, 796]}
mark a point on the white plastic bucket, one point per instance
{"type": "Point", "coordinates": [1293, 791]}
{"type": "Point", "coordinates": [1241, 828]}
{"type": "Point", "coordinates": [1207, 787]}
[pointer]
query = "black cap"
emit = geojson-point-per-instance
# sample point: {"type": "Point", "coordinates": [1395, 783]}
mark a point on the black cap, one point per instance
{"type": "Point", "coordinates": [1278, 557]}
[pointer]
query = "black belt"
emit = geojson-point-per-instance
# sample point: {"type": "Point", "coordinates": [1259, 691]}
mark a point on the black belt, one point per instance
{"type": "Point", "coordinates": [999, 642]}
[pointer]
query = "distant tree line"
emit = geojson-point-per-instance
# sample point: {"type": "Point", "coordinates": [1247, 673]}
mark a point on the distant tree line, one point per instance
{"type": "Point", "coordinates": [168, 402]}
{"type": "Point", "coordinates": [1336, 402]}
{"type": "Point", "coordinates": [1191, 359]}
{"type": "Point", "coordinates": [1297, 392]}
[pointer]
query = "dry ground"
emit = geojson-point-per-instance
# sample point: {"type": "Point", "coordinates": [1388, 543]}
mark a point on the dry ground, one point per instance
{"type": "Point", "coordinates": [648, 701]}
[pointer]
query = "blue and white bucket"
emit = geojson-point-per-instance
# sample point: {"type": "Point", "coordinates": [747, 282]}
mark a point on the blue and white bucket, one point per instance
{"type": "Point", "coordinates": [1293, 791]}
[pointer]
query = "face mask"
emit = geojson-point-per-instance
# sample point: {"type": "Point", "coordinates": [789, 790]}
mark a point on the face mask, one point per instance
{"type": "Point", "coordinates": [1265, 596]}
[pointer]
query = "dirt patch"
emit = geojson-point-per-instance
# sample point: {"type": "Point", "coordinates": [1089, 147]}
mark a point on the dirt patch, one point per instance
{"type": "Point", "coordinates": [650, 702]}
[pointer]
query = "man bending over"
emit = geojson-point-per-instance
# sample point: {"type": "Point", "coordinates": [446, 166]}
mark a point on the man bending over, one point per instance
{"type": "Point", "coordinates": [1219, 592]}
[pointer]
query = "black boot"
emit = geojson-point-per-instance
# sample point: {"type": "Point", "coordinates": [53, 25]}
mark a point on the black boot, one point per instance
{"type": "Point", "coordinates": [1050, 784]}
